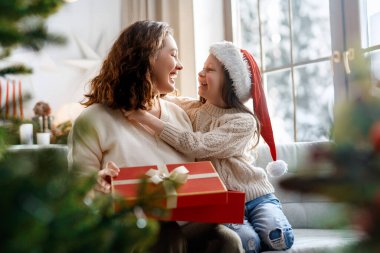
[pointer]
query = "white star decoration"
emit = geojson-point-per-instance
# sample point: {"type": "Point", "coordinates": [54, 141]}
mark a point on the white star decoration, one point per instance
{"type": "Point", "coordinates": [90, 58]}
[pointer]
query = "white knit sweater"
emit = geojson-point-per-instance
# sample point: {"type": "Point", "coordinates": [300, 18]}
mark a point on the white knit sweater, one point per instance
{"type": "Point", "coordinates": [101, 134]}
{"type": "Point", "coordinates": [224, 137]}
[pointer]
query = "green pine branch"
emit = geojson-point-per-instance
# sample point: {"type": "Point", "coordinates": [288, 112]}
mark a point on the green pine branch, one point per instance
{"type": "Point", "coordinates": [22, 24]}
{"type": "Point", "coordinates": [9, 34]}
{"type": "Point", "coordinates": [33, 35]}
{"type": "Point", "coordinates": [4, 53]}
{"type": "Point", "coordinates": [15, 69]}
{"type": "Point", "coordinates": [17, 9]}
{"type": "Point", "coordinates": [46, 210]}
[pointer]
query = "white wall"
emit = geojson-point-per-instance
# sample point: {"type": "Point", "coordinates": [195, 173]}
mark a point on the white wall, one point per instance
{"type": "Point", "coordinates": [58, 78]}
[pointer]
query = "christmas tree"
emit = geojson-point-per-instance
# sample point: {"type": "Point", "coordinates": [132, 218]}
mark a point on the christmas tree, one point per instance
{"type": "Point", "coordinates": [46, 209]}
{"type": "Point", "coordinates": [353, 161]}
{"type": "Point", "coordinates": [22, 24]}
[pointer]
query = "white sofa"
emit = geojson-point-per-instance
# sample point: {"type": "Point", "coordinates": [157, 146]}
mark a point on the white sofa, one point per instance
{"type": "Point", "coordinates": [310, 215]}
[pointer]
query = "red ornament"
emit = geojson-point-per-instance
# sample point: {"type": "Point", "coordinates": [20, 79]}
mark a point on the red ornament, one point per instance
{"type": "Point", "coordinates": [377, 201]}
{"type": "Point", "coordinates": [375, 135]}
{"type": "Point", "coordinates": [363, 220]}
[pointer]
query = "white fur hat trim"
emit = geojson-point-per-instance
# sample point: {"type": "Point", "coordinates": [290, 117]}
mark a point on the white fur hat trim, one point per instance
{"type": "Point", "coordinates": [236, 65]}
{"type": "Point", "coordinates": [277, 168]}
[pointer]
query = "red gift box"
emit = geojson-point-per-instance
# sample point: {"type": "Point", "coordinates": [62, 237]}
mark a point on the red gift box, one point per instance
{"type": "Point", "coordinates": [203, 185]}
{"type": "Point", "coordinates": [232, 212]}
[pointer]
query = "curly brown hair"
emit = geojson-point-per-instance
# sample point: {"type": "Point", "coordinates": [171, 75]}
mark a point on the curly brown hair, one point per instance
{"type": "Point", "coordinates": [124, 79]}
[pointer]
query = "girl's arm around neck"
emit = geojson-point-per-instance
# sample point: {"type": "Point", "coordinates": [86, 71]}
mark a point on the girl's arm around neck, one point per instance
{"type": "Point", "coordinates": [230, 137]}
{"type": "Point", "coordinates": [186, 103]}
{"type": "Point", "coordinates": [147, 119]}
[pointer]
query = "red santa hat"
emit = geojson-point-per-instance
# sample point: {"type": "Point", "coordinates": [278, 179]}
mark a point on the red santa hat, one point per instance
{"type": "Point", "coordinates": [246, 82]}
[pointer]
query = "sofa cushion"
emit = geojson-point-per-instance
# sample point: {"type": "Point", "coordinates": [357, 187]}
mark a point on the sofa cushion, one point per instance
{"type": "Point", "coordinates": [302, 210]}
{"type": "Point", "coordinates": [317, 215]}
{"type": "Point", "coordinates": [317, 240]}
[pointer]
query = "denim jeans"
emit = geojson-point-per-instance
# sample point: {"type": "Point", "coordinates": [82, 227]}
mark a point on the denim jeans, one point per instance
{"type": "Point", "coordinates": [265, 226]}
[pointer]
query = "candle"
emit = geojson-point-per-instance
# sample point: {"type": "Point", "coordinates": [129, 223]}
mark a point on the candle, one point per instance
{"type": "Point", "coordinates": [26, 134]}
{"type": "Point", "coordinates": [7, 101]}
{"type": "Point", "coordinates": [46, 124]}
{"type": "Point", "coordinates": [43, 138]}
{"type": "Point", "coordinates": [14, 99]}
{"type": "Point", "coordinates": [20, 99]}
{"type": "Point", "coordinates": [41, 123]}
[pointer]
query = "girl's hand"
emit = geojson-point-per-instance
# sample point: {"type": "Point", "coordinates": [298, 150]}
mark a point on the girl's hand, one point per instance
{"type": "Point", "coordinates": [105, 176]}
{"type": "Point", "coordinates": [135, 115]}
{"type": "Point", "coordinates": [151, 123]}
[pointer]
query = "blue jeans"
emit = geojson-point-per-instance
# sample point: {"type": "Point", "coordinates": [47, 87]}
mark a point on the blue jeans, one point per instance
{"type": "Point", "coordinates": [265, 226]}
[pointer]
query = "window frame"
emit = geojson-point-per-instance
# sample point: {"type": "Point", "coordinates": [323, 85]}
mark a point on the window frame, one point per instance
{"type": "Point", "coordinates": [345, 28]}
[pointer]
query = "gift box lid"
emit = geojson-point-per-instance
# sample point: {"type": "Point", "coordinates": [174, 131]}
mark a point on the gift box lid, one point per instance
{"type": "Point", "coordinates": [203, 185]}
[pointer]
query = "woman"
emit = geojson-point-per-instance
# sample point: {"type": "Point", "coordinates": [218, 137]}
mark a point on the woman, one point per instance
{"type": "Point", "coordinates": [141, 66]}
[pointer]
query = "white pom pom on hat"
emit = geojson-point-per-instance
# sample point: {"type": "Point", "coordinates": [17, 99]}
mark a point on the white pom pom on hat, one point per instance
{"type": "Point", "coordinates": [277, 168]}
{"type": "Point", "coordinates": [246, 81]}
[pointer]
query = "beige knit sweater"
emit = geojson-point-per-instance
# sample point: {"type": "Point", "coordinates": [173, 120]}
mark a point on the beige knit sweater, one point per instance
{"type": "Point", "coordinates": [101, 134]}
{"type": "Point", "coordinates": [224, 137]}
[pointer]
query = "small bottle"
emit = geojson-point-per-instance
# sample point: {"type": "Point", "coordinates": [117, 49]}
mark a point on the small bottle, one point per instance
{"type": "Point", "coordinates": [46, 124]}
{"type": "Point", "coordinates": [40, 124]}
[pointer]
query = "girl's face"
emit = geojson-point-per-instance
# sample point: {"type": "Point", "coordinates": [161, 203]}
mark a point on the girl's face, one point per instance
{"type": "Point", "coordinates": [211, 81]}
{"type": "Point", "coordinates": [166, 66]}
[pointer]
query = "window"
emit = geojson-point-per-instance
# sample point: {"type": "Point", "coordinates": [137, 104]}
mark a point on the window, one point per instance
{"type": "Point", "coordinates": [304, 49]}
{"type": "Point", "coordinates": [370, 43]}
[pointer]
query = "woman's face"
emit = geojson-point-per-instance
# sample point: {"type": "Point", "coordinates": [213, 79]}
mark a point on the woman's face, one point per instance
{"type": "Point", "coordinates": [166, 66]}
{"type": "Point", "coordinates": [211, 81]}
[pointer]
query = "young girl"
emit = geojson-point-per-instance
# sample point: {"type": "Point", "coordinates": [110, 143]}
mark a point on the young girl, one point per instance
{"type": "Point", "coordinates": [223, 133]}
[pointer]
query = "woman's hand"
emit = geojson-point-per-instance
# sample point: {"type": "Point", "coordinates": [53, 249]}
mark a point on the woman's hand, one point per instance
{"type": "Point", "coordinates": [105, 176]}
